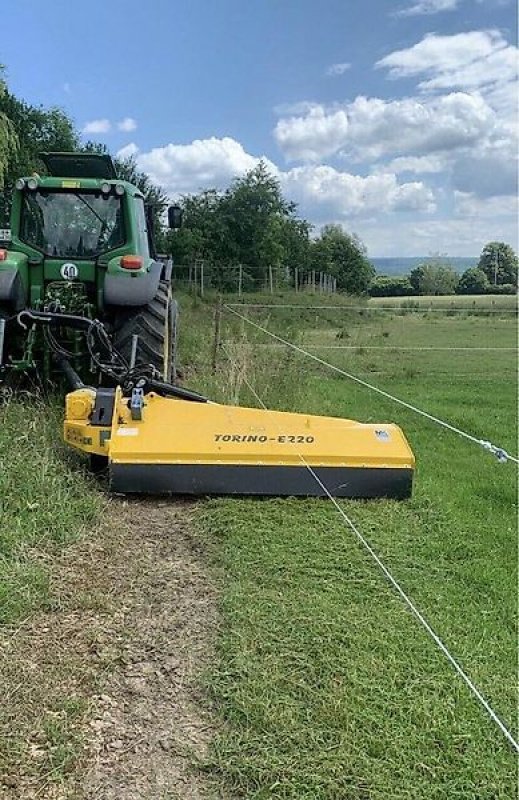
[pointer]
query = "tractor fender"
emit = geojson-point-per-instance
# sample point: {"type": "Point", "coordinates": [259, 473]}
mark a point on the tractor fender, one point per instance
{"type": "Point", "coordinates": [132, 290]}
{"type": "Point", "coordinates": [11, 289]}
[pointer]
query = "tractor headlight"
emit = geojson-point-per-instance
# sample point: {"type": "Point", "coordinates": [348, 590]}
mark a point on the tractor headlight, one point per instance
{"type": "Point", "coordinates": [105, 188]}
{"type": "Point", "coordinates": [20, 184]}
{"type": "Point", "coordinates": [119, 189]}
{"type": "Point", "coordinates": [32, 184]}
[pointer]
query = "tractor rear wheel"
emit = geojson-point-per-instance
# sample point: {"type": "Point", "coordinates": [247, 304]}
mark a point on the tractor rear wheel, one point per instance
{"type": "Point", "coordinates": [156, 328]}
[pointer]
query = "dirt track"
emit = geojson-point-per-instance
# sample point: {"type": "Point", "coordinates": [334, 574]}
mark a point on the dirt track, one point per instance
{"type": "Point", "coordinates": [102, 687]}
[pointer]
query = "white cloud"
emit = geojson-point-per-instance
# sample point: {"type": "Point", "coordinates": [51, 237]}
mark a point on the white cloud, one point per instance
{"type": "Point", "coordinates": [463, 121]}
{"type": "Point", "coordinates": [127, 125]}
{"type": "Point", "coordinates": [488, 172]}
{"type": "Point", "coordinates": [467, 204]}
{"type": "Point", "coordinates": [317, 134]}
{"type": "Point", "coordinates": [417, 126]}
{"type": "Point", "coordinates": [202, 164]}
{"type": "Point", "coordinates": [323, 192]}
{"type": "Point", "coordinates": [370, 128]}
{"type": "Point", "coordinates": [417, 164]}
{"type": "Point", "coordinates": [128, 150]}
{"type": "Point", "coordinates": [469, 61]}
{"type": "Point", "coordinates": [427, 7]}
{"type": "Point", "coordinates": [484, 65]}
{"type": "Point", "coordinates": [97, 126]}
{"type": "Point", "coordinates": [338, 69]}
{"type": "Point", "coordinates": [66, 87]}
{"type": "Point", "coordinates": [329, 193]}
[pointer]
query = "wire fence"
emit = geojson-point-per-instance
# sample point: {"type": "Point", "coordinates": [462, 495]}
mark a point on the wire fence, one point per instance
{"type": "Point", "coordinates": [421, 304]}
{"type": "Point", "coordinates": [496, 450]}
{"type": "Point", "coordinates": [202, 276]}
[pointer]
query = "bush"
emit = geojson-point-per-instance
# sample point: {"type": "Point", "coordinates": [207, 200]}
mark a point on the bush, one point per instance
{"type": "Point", "coordinates": [473, 281]}
{"type": "Point", "coordinates": [434, 277]}
{"type": "Point", "coordinates": [504, 288]}
{"type": "Point", "coordinates": [390, 286]}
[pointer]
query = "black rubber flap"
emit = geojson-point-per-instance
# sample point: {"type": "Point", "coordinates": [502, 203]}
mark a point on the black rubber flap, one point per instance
{"type": "Point", "coordinates": [214, 479]}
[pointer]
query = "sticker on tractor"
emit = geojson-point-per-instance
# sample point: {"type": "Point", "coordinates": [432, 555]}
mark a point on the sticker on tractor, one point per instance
{"type": "Point", "coordinates": [5, 235]}
{"type": "Point", "coordinates": [69, 271]}
{"type": "Point", "coordinates": [71, 184]}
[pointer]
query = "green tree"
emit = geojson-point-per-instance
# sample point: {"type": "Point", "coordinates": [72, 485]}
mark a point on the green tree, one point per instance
{"type": "Point", "coordinates": [499, 263]}
{"type": "Point", "coordinates": [473, 281]}
{"type": "Point", "coordinates": [344, 256]}
{"type": "Point", "coordinates": [251, 213]}
{"type": "Point", "coordinates": [8, 137]}
{"type": "Point", "coordinates": [250, 224]}
{"type": "Point", "coordinates": [36, 129]}
{"type": "Point", "coordinates": [202, 234]}
{"type": "Point", "coordinates": [434, 277]}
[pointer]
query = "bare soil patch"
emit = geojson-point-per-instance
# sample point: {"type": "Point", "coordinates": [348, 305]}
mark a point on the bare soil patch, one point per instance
{"type": "Point", "coordinates": [99, 692]}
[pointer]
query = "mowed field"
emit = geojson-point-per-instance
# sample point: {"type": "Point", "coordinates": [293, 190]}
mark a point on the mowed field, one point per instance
{"type": "Point", "coordinates": [494, 302]}
{"type": "Point", "coordinates": [329, 687]}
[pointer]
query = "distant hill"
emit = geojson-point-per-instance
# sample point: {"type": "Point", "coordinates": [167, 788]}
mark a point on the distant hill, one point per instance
{"type": "Point", "coordinates": [401, 266]}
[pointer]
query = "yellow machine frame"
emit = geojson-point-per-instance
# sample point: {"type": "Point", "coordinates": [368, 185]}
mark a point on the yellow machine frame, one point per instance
{"type": "Point", "coordinates": [156, 444]}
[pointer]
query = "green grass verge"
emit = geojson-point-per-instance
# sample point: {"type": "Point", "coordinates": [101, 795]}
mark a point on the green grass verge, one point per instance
{"type": "Point", "coordinates": [328, 686]}
{"type": "Point", "coordinates": [485, 301]}
{"type": "Point", "coordinates": [47, 499]}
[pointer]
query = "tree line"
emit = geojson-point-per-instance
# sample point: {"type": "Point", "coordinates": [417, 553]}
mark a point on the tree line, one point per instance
{"type": "Point", "coordinates": [494, 273]}
{"type": "Point", "coordinates": [250, 226]}
{"type": "Point", "coordinates": [253, 227]}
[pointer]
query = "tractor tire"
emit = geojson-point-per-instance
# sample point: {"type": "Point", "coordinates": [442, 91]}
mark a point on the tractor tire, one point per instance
{"type": "Point", "coordinates": [156, 327]}
{"type": "Point", "coordinates": [9, 380]}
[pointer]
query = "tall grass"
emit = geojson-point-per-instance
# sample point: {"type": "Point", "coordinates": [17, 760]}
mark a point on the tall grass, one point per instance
{"type": "Point", "coordinates": [46, 499]}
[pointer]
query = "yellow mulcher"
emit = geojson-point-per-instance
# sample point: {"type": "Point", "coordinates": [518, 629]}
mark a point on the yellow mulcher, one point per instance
{"type": "Point", "coordinates": [157, 438]}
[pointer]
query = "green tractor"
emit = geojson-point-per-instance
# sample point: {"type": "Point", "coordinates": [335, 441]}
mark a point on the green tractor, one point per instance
{"type": "Point", "coordinates": [81, 243]}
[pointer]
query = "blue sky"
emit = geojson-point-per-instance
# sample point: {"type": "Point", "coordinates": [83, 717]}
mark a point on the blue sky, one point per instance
{"type": "Point", "coordinates": [396, 118]}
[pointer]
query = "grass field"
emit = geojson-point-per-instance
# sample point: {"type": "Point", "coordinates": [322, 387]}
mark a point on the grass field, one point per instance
{"type": "Point", "coordinates": [329, 688]}
{"type": "Point", "coordinates": [489, 301]}
{"type": "Point", "coordinates": [326, 686]}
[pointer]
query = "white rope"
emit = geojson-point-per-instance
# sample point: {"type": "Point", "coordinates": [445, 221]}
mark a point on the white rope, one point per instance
{"type": "Point", "coordinates": [375, 308]}
{"type": "Point", "coordinates": [499, 452]}
{"type": "Point", "coordinates": [405, 597]}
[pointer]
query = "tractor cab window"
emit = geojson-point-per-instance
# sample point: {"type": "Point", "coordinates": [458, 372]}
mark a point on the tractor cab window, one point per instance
{"type": "Point", "coordinates": [142, 228]}
{"type": "Point", "coordinates": [72, 224]}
